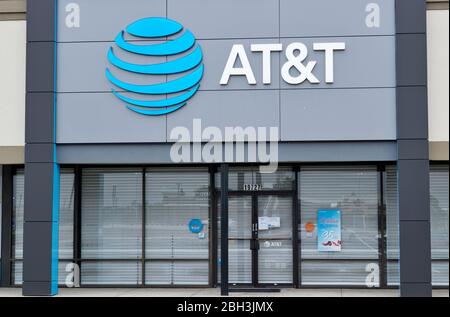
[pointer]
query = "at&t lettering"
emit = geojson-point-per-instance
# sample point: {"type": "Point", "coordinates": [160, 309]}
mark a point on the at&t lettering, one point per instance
{"type": "Point", "coordinates": [296, 54]}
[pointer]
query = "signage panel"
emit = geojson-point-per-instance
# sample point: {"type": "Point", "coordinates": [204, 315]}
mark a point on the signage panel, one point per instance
{"type": "Point", "coordinates": [259, 70]}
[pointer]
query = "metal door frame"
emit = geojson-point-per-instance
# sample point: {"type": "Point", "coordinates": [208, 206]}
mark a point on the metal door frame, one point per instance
{"type": "Point", "coordinates": [254, 240]}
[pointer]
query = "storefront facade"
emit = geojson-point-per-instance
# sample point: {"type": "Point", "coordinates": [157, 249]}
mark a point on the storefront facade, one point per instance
{"type": "Point", "coordinates": [115, 221]}
{"type": "Point", "coordinates": [127, 179]}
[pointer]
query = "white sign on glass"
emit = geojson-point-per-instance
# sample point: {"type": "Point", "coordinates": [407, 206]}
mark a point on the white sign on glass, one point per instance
{"type": "Point", "coordinates": [267, 223]}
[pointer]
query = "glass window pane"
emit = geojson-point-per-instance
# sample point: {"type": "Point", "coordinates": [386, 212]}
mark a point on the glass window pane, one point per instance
{"type": "Point", "coordinates": [333, 272]}
{"type": "Point", "coordinates": [237, 177]}
{"type": "Point", "coordinates": [111, 273]}
{"type": "Point", "coordinates": [278, 207]}
{"type": "Point", "coordinates": [1, 192]}
{"type": "Point", "coordinates": [275, 261]}
{"type": "Point", "coordinates": [282, 179]}
{"type": "Point", "coordinates": [275, 252]}
{"type": "Point", "coordinates": [18, 216]}
{"type": "Point", "coordinates": [354, 191]}
{"type": "Point", "coordinates": [439, 222]}
{"type": "Point", "coordinates": [111, 214]}
{"type": "Point", "coordinates": [239, 262]}
{"type": "Point", "coordinates": [240, 233]}
{"type": "Point", "coordinates": [439, 211]}
{"type": "Point", "coordinates": [190, 272]}
{"type": "Point", "coordinates": [158, 273]}
{"type": "Point", "coordinates": [17, 272]}
{"type": "Point", "coordinates": [177, 224]}
{"type": "Point", "coordinates": [66, 210]}
{"type": "Point", "coordinates": [239, 217]}
{"type": "Point", "coordinates": [440, 273]}
{"type": "Point", "coordinates": [393, 273]}
{"type": "Point", "coordinates": [177, 272]}
{"type": "Point", "coordinates": [390, 200]}
{"type": "Point", "coordinates": [392, 226]}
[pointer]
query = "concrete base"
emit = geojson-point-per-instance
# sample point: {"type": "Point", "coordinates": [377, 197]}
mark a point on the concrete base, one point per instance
{"type": "Point", "coordinates": [215, 292]}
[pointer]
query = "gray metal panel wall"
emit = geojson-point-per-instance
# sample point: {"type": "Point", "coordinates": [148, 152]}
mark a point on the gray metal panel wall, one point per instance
{"type": "Point", "coordinates": [412, 149]}
{"type": "Point", "coordinates": [41, 170]}
{"type": "Point", "coordinates": [88, 113]}
{"type": "Point", "coordinates": [290, 152]}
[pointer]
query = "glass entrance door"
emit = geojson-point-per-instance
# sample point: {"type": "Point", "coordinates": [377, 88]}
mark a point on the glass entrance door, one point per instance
{"type": "Point", "coordinates": [260, 239]}
{"type": "Point", "coordinates": [240, 240]}
{"type": "Point", "coordinates": [274, 239]}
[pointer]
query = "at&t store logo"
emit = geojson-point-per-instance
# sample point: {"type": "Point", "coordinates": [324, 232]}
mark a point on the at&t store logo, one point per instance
{"type": "Point", "coordinates": [171, 94]}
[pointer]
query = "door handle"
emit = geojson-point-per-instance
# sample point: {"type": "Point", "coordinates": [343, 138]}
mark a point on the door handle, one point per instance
{"type": "Point", "coordinates": [255, 230]}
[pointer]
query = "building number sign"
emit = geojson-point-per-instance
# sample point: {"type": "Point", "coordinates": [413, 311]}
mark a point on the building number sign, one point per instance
{"type": "Point", "coordinates": [252, 187]}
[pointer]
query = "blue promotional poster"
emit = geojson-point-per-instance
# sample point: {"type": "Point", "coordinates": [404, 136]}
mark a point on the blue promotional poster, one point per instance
{"type": "Point", "coordinates": [329, 230]}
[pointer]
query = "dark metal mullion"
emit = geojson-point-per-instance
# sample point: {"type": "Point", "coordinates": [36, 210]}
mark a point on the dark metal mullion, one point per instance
{"type": "Point", "coordinates": [267, 239]}
{"type": "Point", "coordinates": [144, 172]}
{"type": "Point", "coordinates": [177, 259]}
{"type": "Point", "coordinates": [125, 259]}
{"type": "Point", "coordinates": [237, 193]}
{"type": "Point", "coordinates": [152, 286]}
{"type": "Point", "coordinates": [296, 224]}
{"type": "Point", "coordinates": [382, 261]}
{"type": "Point", "coordinates": [254, 243]}
{"type": "Point", "coordinates": [335, 287]}
{"type": "Point", "coordinates": [77, 219]}
{"type": "Point", "coordinates": [212, 229]}
{"type": "Point", "coordinates": [342, 259]}
{"type": "Point", "coordinates": [224, 230]}
{"type": "Point", "coordinates": [260, 193]}
{"type": "Point", "coordinates": [6, 230]}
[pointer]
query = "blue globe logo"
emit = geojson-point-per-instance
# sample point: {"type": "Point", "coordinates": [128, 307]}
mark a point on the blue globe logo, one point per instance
{"type": "Point", "coordinates": [171, 94]}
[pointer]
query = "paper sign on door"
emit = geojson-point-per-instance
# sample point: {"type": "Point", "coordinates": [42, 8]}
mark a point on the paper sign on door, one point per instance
{"type": "Point", "coordinates": [266, 223]}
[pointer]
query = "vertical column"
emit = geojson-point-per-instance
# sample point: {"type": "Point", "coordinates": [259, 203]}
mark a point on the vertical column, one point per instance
{"type": "Point", "coordinates": [7, 205]}
{"type": "Point", "coordinates": [213, 228]}
{"type": "Point", "coordinates": [412, 143]}
{"type": "Point", "coordinates": [382, 240]}
{"type": "Point", "coordinates": [40, 268]}
{"type": "Point", "coordinates": [224, 290]}
{"type": "Point", "coordinates": [77, 217]}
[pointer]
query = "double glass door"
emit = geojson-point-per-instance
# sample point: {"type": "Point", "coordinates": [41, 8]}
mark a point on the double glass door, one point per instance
{"type": "Point", "coordinates": [260, 239]}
